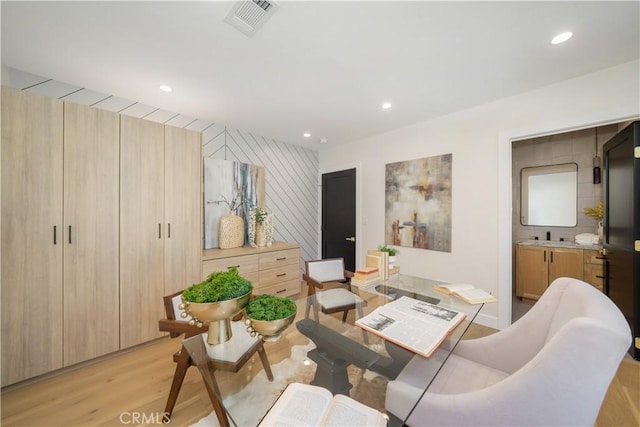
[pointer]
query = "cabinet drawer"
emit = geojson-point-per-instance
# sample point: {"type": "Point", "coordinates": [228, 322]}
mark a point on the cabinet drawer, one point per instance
{"type": "Point", "coordinates": [284, 289]}
{"type": "Point", "coordinates": [281, 274]}
{"type": "Point", "coordinates": [593, 275]}
{"type": "Point", "coordinates": [245, 263]}
{"type": "Point", "coordinates": [593, 257]}
{"type": "Point", "coordinates": [279, 258]}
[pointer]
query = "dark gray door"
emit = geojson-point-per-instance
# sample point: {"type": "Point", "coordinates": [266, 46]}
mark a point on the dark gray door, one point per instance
{"type": "Point", "coordinates": [339, 216]}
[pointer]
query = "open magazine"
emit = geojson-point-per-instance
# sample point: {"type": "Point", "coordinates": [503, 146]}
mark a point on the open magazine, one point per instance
{"type": "Point", "coordinates": [415, 325]}
{"type": "Point", "coordinates": [309, 405]}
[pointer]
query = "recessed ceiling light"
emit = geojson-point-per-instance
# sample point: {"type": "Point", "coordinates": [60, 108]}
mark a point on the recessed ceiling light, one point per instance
{"type": "Point", "coordinates": [306, 134]}
{"type": "Point", "coordinates": [562, 37]}
{"type": "Point", "coordinates": [165, 88]}
{"type": "Point", "coordinates": [386, 105]}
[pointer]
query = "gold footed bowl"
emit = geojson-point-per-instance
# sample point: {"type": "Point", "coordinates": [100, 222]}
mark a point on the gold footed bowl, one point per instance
{"type": "Point", "coordinates": [217, 314]}
{"type": "Point", "coordinates": [269, 330]}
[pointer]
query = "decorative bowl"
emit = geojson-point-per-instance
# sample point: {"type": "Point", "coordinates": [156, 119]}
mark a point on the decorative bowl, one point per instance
{"type": "Point", "coordinates": [269, 330]}
{"type": "Point", "coordinates": [217, 314]}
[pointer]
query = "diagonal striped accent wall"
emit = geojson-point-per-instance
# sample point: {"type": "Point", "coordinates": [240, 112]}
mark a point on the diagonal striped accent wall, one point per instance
{"type": "Point", "coordinates": [292, 172]}
{"type": "Point", "coordinates": [291, 191]}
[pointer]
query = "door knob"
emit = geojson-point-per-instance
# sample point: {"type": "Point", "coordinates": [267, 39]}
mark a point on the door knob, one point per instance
{"type": "Point", "coordinates": [350, 239]}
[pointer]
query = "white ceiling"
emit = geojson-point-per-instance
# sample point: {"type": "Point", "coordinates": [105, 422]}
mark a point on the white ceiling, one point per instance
{"type": "Point", "coordinates": [319, 67]}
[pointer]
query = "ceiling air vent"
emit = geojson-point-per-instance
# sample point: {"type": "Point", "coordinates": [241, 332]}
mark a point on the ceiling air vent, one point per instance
{"type": "Point", "coordinates": [249, 15]}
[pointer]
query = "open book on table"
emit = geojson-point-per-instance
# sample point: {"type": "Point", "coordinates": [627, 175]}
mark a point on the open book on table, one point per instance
{"type": "Point", "coordinates": [309, 405]}
{"type": "Point", "coordinates": [467, 293]}
{"type": "Point", "coordinates": [415, 325]}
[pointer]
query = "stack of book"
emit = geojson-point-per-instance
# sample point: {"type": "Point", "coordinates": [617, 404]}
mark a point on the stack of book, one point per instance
{"type": "Point", "coordinates": [394, 273]}
{"type": "Point", "coordinates": [379, 260]}
{"type": "Point", "coordinates": [365, 276]}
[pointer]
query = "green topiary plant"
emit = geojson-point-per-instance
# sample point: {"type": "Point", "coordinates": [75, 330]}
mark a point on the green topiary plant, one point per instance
{"type": "Point", "coordinates": [269, 307]}
{"type": "Point", "coordinates": [391, 251]}
{"type": "Point", "coordinates": [219, 286]}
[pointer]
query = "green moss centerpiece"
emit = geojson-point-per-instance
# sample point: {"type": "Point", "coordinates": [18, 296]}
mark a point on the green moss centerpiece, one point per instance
{"type": "Point", "coordinates": [215, 301]}
{"type": "Point", "coordinates": [268, 316]}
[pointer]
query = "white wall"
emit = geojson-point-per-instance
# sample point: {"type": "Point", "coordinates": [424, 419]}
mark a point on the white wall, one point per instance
{"type": "Point", "coordinates": [480, 140]}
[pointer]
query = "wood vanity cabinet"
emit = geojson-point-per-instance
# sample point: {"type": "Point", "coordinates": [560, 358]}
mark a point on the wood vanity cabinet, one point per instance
{"type": "Point", "coordinates": [273, 270]}
{"type": "Point", "coordinates": [538, 266]}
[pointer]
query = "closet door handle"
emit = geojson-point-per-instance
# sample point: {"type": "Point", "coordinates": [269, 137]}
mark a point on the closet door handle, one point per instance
{"type": "Point", "coordinates": [69, 234]}
{"type": "Point", "coordinates": [551, 256]}
{"type": "Point", "coordinates": [55, 234]}
{"type": "Point", "coordinates": [159, 231]}
{"type": "Point", "coordinates": [168, 230]}
{"type": "Point", "coordinates": [544, 256]}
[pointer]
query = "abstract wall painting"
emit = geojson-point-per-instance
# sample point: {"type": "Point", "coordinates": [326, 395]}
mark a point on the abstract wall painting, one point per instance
{"type": "Point", "coordinates": [224, 181]}
{"type": "Point", "coordinates": [418, 203]}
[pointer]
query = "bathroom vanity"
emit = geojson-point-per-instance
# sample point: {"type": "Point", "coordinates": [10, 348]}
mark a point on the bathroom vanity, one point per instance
{"type": "Point", "coordinates": [540, 262]}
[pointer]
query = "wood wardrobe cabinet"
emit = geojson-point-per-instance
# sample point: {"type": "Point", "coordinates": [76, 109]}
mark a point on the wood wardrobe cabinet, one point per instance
{"type": "Point", "coordinates": [160, 227]}
{"type": "Point", "coordinates": [101, 217]}
{"type": "Point", "coordinates": [32, 149]}
{"type": "Point", "coordinates": [90, 226]}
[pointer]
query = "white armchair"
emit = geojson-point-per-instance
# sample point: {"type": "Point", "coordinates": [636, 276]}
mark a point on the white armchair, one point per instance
{"type": "Point", "coordinates": [550, 368]}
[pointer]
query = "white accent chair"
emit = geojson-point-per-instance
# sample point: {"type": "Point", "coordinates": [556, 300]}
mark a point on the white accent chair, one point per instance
{"type": "Point", "coordinates": [330, 272]}
{"type": "Point", "coordinates": [550, 368]}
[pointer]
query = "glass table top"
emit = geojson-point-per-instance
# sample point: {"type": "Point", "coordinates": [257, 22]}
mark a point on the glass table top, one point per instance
{"type": "Point", "coordinates": [325, 351]}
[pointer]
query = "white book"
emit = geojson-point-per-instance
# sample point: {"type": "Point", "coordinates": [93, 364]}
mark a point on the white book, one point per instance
{"type": "Point", "coordinates": [467, 293]}
{"type": "Point", "coordinates": [302, 405]}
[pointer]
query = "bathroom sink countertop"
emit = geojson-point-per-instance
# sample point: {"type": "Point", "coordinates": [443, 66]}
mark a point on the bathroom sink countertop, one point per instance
{"type": "Point", "coordinates": [558, 244]}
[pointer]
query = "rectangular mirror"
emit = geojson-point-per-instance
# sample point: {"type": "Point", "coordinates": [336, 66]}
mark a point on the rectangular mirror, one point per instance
{"type": "Point", "coordinates": [549, 195]}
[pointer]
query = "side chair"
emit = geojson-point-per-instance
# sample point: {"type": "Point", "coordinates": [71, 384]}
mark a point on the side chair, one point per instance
{"type": "Point", "coordinates": [339, 297]}
{"type": "Point", "coordinates": [239, 349]}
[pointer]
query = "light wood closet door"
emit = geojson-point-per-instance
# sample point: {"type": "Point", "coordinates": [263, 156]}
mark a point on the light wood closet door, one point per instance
{"type": "Point", "coordinates": [141, 229]}
{"type": "Point", "coordinates": [183, 209]}
{"type": "Point", "coordinates": [91, 211]}
{"type": "Point", "coordinates": [31, 260]}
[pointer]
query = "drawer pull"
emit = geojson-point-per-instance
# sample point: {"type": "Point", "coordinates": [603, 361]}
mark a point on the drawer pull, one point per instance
{"type": "Point", "coordinates": [599, 277]}
{"type": "Point", "coordinates": [233, 266]}
{"type": "Point", "coordinates": [281, 274]}
{"type": "Point", "coordinates": [600, 257]}
{"type": "Point", "coordinates": [281, 259]}
{"type": "Point", "coordinates": [281, 291]}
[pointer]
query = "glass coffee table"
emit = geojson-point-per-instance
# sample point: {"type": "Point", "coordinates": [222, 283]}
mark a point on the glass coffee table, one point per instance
{"type": "Point", "coordinates": [325, 351]}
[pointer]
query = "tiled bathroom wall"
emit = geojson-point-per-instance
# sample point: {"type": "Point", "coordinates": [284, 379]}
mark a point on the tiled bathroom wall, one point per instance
{"type": "Point", "coordinates": [572, 147]}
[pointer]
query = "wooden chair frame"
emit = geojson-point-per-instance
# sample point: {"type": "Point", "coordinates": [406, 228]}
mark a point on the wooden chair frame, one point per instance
{"type": "Point", "coordinates": [183, 361]}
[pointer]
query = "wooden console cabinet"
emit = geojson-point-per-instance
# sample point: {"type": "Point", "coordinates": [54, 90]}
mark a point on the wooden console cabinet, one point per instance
{"type": "Point", "coordinates": [272, 270]}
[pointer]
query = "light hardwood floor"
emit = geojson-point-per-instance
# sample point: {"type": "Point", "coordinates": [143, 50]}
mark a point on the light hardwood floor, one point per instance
{"type": "Point", "coordinates": [113, 390]}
